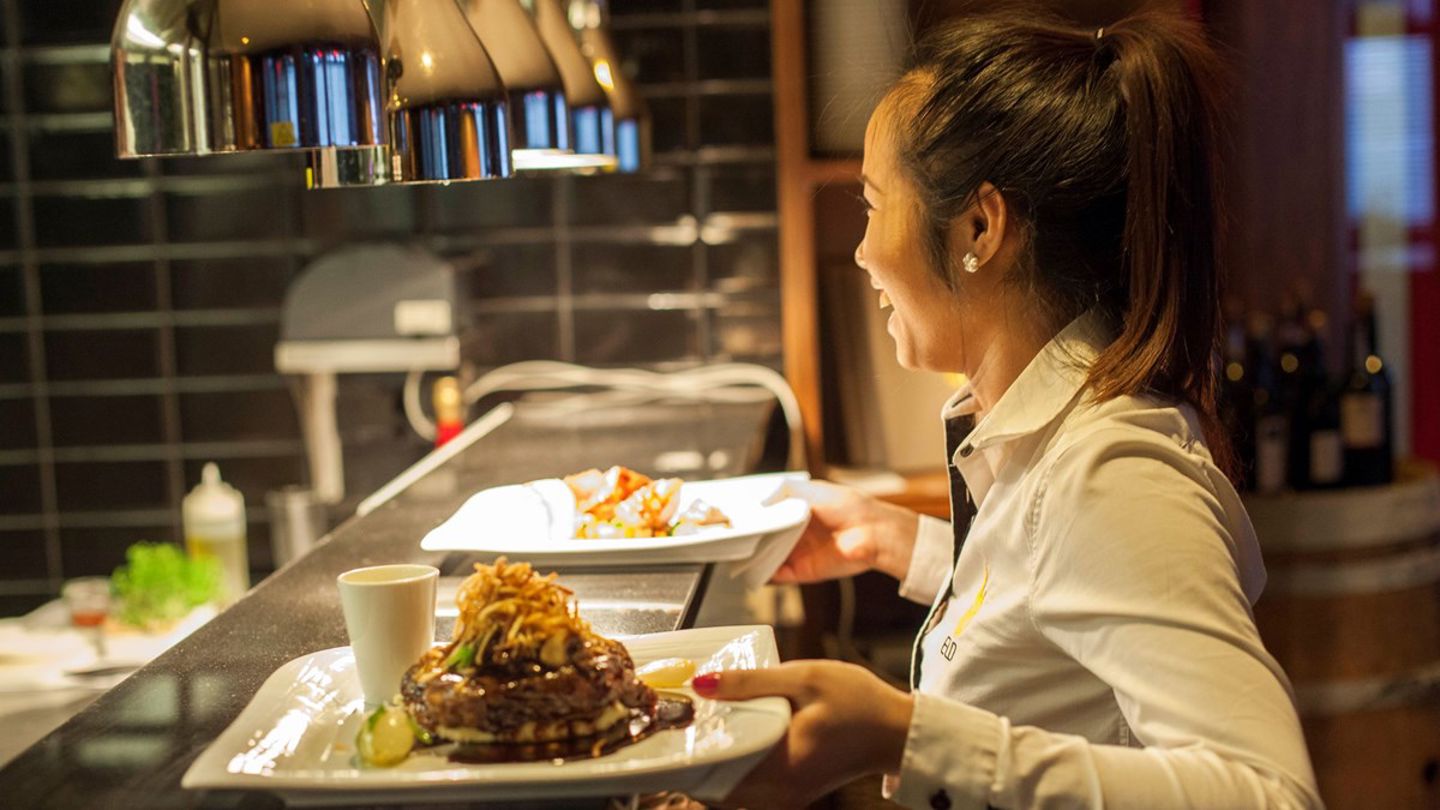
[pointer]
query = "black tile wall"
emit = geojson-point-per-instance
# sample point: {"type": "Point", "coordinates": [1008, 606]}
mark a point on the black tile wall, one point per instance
{"type": "Point", "coordinates": [69, 289]}
{"type": "Point", "coordinates": [508, 271]}
{"type": "Point", "coordinates": [88, 552]}
{"type": "Point", "coordinates": [69, 22]}
{"type": "Point", "coordinates": [7, 172]}
{"type": "Point", "coordinates": [17, 424]}
{"type": "Point", "coordinates": [501, 337]}
{"type": "Point", "coordinates": [669, 125]}
{"type": "Point", "coordinates": [108, 354]}
{"type": "Point", "coordinates": [213, 218]}
{"type": "Point", "coordinates": [22, 555]}
{"type": "Point", "coordinates": [225, 417]}
{"type": "Point", "coordinates": [611, 268]}
{"type": "Point", "coordinates": [733, 53]}
{"type": "Point", "coordinates": [19, 489]}
{"type": "Point", "coordinates": [14, 367]}
{"type": "Point", "coordinates": [627, 200]}
{"type": "Point", "coordinates": [160, 282]}
{"type": "Point", "coordinates": [251, 282]}
{"type": "Point", "coordinates": [7, 223]}
{"type": "Point", "coordinates": [86, 486]}
{"type": "Point", "coordinates": [742, 120]}
{"type": "Point", "coordinates": [12, 292]}
{"type": "Point", "coordinates": [76, 156]}
{"type": "Point", "coordinates": [658, 54]}
{"type": "Point", "coordinates": [601, 339]}
{"type": "Point", "coordinates": [513, 203]}
{"type": "Point", "coordinates": [97, 421]}
{"type": "Point", "coordinates": [67, 87]}
{"type": "Point", "coordinates": [221, 350]}
{"type": "Point", "coordinates": [745, 189]}
{"type": "Point", "coordinates": [70, 221]}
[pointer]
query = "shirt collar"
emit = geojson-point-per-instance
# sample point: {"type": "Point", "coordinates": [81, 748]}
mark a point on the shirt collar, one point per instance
{"type": "Point", "coordinates": [1046, 386]}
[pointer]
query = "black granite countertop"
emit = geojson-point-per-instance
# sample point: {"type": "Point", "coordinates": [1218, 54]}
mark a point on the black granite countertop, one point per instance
{"type": "Point", "coordinates": [130, 748]}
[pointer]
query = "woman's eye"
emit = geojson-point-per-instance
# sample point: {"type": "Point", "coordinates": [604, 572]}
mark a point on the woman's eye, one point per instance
{"type": "Point", "coordinates": [865, 204]}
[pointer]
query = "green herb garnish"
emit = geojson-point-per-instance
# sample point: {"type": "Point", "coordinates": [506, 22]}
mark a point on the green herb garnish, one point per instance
{"type": "Point", "coordinates": [420, 732]}
{"type": "Point", "coordinates": [460, 657]}
{"type": "Point", "coordinates": [159, 584]}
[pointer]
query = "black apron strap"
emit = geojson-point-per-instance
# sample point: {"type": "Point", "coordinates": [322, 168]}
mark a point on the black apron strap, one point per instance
{"type": "Point", "coordinates": [962, 513]}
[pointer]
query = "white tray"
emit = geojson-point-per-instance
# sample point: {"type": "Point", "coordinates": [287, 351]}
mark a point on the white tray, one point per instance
{"type": "Point", "coordinates": [296, 739]}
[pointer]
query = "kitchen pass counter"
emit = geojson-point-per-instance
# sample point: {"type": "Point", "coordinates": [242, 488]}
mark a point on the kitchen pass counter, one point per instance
{"type": "Point", "coordinates": [132, 745]}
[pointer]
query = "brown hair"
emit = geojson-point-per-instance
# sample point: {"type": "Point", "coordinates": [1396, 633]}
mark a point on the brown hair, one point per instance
{"type": "Point", "coordinates": [1103, 144]}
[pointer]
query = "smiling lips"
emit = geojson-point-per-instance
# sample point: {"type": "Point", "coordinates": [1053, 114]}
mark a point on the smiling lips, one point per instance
{"type": "Point", "coordinates": [884, 296]}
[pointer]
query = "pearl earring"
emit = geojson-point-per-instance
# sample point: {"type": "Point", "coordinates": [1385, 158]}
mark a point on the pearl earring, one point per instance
{"type": "Point", "coordinates": [971, 262]}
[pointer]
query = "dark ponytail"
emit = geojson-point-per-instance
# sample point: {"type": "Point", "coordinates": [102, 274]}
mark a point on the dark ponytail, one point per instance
{"type": "Point", "coordinates": [1104, 144]}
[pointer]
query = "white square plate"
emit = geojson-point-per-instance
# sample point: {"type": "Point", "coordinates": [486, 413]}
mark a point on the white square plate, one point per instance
{"type": "Point", "coordinates": [535, 522]}
{"type": "Point", "coordinates": [296, 738]}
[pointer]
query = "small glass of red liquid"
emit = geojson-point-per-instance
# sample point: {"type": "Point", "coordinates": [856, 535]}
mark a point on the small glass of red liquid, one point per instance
{"type": "Point", "coordinates": [88, 599]}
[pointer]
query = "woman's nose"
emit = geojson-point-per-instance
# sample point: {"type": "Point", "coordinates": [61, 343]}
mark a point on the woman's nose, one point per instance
{"type": "Point", "coordinates": [860, 255]}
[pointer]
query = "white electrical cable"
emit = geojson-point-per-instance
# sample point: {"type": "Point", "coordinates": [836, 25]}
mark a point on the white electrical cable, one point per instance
{"type": "Point", "coordinates": [704, 382]}
{"type": "Point", "coordinates": [414, 412]}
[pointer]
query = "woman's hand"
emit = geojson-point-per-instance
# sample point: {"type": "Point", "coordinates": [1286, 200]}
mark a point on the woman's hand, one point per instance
{"type": "Point", "coordinates": [849, 533]}
{"type": "Point", "coordinates": [847, 724]}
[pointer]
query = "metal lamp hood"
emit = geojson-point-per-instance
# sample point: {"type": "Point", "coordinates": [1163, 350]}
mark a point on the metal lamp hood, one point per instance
{"type": "Point", "coordinates": [200, 77]}
{"type": "Point", "coordinates": [592, 120]}
{"type": "Point", "coordinates": [448, 111]}
{"type": "Point", "coordinates": [590, 19]}
{"type": "Point", "coordinates": [372, 91]}
{"type": "Point", "coordinates": [539, 114]}
{"type": "Point", "coordinates": [447, 114]}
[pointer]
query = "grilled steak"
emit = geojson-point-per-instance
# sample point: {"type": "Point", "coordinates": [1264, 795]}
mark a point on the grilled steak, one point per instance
{"type": "Point", "coordinates": [523, 701]}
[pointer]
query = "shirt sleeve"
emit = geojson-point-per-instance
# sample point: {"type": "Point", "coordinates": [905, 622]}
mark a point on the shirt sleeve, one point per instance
{"type": "Point", "coordinates": [930, 560]}
{"type": "Point", "coordinates": [1135, 577]}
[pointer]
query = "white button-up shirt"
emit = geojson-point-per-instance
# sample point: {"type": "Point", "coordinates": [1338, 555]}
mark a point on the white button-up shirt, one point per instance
{"type": "Point", "coordinates": [1093, 644]}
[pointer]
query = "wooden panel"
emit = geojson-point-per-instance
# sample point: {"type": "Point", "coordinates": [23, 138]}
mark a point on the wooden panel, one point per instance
{"type": "Point", "coordinates": [800, 323]}
{"type": "Point", "coordinates": [1286, 172]}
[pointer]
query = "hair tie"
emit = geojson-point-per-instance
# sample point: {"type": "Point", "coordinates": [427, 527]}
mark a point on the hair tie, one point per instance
{"type": "Point", "coordinates": [1099, 32]}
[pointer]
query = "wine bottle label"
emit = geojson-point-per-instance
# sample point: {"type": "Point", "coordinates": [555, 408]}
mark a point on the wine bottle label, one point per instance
{"type": "Point", "coordinates": [1270, 454]}
{"type": "Point", "coordinates": [1362, 420]}
{"type": "Point", "coordinates": [1326, 457]}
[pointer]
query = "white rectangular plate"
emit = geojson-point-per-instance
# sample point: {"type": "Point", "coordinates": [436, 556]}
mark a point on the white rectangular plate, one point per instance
{"type": "Point", "coordinates": [514, 521]}
{"type": "Point", "coordinates": [296, 738]}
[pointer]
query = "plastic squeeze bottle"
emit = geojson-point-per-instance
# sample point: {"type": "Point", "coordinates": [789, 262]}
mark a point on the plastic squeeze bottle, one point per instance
{"type": "Point", "coordinates": [214, 518]}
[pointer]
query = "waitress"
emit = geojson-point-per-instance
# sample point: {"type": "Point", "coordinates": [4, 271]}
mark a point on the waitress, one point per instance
{"type": "Point", "coordinates": [1044, 218]}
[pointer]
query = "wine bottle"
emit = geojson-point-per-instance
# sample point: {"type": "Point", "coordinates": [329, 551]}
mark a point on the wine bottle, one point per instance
{"type": "Point", "coordinates": [1272, 424]}
{"type": "Point", "coordinates": [1327, 460]}
{"type": "Point", "coordinates": [1294, 349]}
{"type": "Point", "coordinates": [1322, 399]}
{"type": "Point", "coordinates": [1237, 398]}
{"type": "Point", "coordinates": [1365, 426]}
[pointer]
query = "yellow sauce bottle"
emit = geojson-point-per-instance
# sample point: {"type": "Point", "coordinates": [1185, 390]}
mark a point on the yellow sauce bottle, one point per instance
{"type": "Point", "coordinates": [214, 518]}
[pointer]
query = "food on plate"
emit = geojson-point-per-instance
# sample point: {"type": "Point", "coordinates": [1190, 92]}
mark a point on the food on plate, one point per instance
{"type": "Point", "coordinates": [667, 673]}
{"type": "Point", "coordinates": [524, 669]}
{"type": "Point", "coordinates": [621, 502]}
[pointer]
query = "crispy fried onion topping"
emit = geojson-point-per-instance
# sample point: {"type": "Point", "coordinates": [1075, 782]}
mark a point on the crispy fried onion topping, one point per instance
{"type": "Point", "coordinates": [508, 612]}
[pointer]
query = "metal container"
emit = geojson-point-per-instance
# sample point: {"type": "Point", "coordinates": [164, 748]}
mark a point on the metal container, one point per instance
{"type": "Point", "coordinates": [298, 522]}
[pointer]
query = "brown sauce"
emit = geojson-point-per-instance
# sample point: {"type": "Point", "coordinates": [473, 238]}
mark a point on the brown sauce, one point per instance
{"type": "Point", "coordinates": [671, 711]}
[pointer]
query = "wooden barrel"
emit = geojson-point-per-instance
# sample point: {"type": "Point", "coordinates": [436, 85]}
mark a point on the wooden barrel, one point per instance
{"type": "Point", "coordinates": [1352, 611]}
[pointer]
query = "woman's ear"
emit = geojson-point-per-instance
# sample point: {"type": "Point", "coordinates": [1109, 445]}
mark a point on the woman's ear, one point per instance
{"type": "Point", "coordinates": [981, 229]}
{"type": "Point", "coordinates": [992, 222]}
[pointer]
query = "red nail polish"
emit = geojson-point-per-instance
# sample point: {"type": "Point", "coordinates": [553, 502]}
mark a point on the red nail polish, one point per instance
{"type": "Point", "coordinates": [705, 684]}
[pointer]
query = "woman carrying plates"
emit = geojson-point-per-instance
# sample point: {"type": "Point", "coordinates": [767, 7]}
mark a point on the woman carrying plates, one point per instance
{"type": "Point", "coordinates": [1043, 218]}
